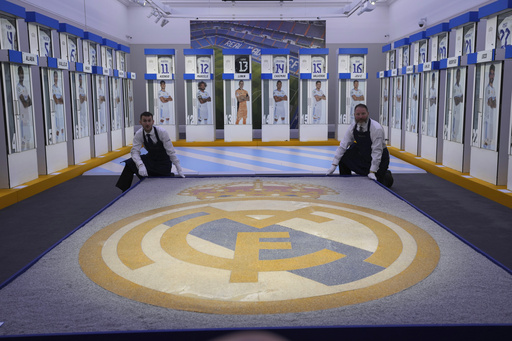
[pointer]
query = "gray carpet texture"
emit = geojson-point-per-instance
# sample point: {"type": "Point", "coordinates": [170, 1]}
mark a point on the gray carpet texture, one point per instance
{"type": "Point", "coordinates": [460, 287]}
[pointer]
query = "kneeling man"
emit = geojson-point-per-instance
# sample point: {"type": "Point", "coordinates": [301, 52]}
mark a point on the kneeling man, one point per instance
{"type": "Point", "coordinates": [363, 149]}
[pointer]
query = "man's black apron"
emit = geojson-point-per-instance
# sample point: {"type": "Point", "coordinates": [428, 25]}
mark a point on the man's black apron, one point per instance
{"type": "Point", "coordinates": [157, 161]}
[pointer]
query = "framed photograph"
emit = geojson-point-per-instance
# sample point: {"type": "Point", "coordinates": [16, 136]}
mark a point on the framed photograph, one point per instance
{"type": "Point", "coordinates": [423, 51]}
{"type": "Point", "coordinates": [100, 113]}
{"type": "Point", "coordinates": [204, 100]}
{"type": "Point", "coordinates": [356, 91]}
{"type": "Point", "coordinates": [391, 60]}
{"type": "Point", "coordinates": [109, 62]}
{"type": "Point", "coordinates": [413, 103]}
{"type": "Point", "coordinates": [357, 64]}
{"type": "Point", "coordinates": [504, 28]}
{"type": "Point", "coordinates": [163, 104]}
{"type": "Point", "coordinates": [280, 64]}
{"type": "Point", "coordinates": [241, 102]}
{"type": "Point", "coordinates": [129, 109]}
{"type": "Point", "coordinates": [384, 101]}
{"type": "Point", "coordinates": [203, 67]}
{"type": "Point", "coordinates": [405, 55]}
{"type": "Point", "coordinates": [396, 115]}
{"type": "Point", "coordinates": [318, 100]}
{"type": "Point", "coordinates": [487, 106]}
{"type": "Point", "coordinates": [80, 104]}
{"type": "Point", "coordinates": [93, 53]}
{"type": "Point", "coordinates": [318, 65]}
{"type": "Point", "coordinates": [72, 49]}
{"type": "Point", "coordinates": [116, 103]}
{"type": "Point", "coordinates": [9, 37]}
{"type": "Point", "coordinates": [430, 100]}
{"type": "Point", "coordinates": [45, 42]}
{"type": "Point", "coordinates": [279, 104]}
{"type": "Point", "coordinates": [19, 111]}
{"type": "Point", "coordinates": [469, 39]}
{"type": "Point", "coordinates": [456, 97]}
{"type": "Point", "coordinates": [242, 64]}
{"type": "Point", "coordinates": [165, 66]}
{"type": "Point", "coordinates": [442, 52]}
{"type": "Point", "coordinates": [54, 103]}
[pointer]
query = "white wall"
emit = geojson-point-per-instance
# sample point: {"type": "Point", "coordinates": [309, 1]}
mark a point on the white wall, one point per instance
{"type": "Point", "coordinates": [144, 30]}
{"type": "Point", "coordinates": [367, 28]}
{"type": "Point", "coordinates": [405, 14]}
{"type": "Point", "coordinates": [113, 20]}
{"type": "Point", "coordinates": [106, 18]}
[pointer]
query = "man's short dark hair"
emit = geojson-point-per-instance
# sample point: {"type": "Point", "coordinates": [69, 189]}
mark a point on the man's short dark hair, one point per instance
{"type": "Point", "coordinates": [361, 105]}
{"type": "Point", "coordinates": [146, 113]}
{"type": "Point", "coordinates": [201, 82]}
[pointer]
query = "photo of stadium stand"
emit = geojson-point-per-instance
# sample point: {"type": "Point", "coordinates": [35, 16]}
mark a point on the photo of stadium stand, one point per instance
{"type": "Point", "coordinates": [257, 35]}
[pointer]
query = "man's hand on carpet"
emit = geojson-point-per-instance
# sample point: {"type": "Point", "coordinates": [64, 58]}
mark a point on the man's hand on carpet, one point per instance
{"type": "Point", "coordinates": [181, 174]}
{"type": "Point", "coordinates": [143, 171]}
{"type": "Point", "coordinates": [331, 170]}
{"type": "Point", "coordinates": [372, 176]}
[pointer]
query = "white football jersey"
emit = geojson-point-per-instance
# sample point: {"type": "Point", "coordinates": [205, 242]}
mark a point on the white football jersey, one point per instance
{"type": "Point", "coordinates": [165, 65]}
{"type": "Point", "coordinates": [242, 64]}
{"type": "Point", "coordinates": [109, 59]}
{"type": "Point", "coordinates": [72, 50]}
{"type": "Point", "coordinates": [92, 53]}
{"type": "Point", "coordinates": [423, 53]}
{"type": "Point", "coordinates": [8, 35]}
{"type": "Point", "coordinates": [280, 65]}
{"type": "Point", "coordinates": [279, 93]}
{"type": "Point", "coordinates": [44, 44]}
{"type": "Point", "coordinates": [203, 95]}
{"type": "Point", "coordinates": [405, 56]}
{"type": "Point", "coordinates": [504, 29]}
{"type": "Point", "coordinates": [469, 39]}
{"type": "Point", "coordinates": [121, 62]}
{"type": "Point", "coordinates": [317, 64]}
{"type": "Point", "coordinates": [392, 60]}
{"type": "Point", "coordinates": [356, 64]}
{"type": "Point", "coordinates": [203, 65]}
{"type": "Point", "coordinates": [443, 48]}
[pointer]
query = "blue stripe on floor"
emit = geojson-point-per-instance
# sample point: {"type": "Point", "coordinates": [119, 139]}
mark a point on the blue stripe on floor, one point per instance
{"type": "Point", "coordinates": [266, 155]}
{"type": "Point", "coordinates": [251, 160]}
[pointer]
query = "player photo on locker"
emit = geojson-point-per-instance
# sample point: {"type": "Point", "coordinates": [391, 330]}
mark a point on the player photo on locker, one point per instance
{"type": "Point", "coordinates": [318, 99]}
{"type": "Point", "coordinates": [454, 117]}
{"type": "Point", "coordinates": [164, 105]}
{"type": "Point", "coordinates": [487, 99]}
{"type": "Point", "coordinates": [116, 104]}
{"type": "Point", "coordinates": [80, 100]}
{"type": "Point", "coordinates": [281, 104]}
{"type": "Point", "coordinates": [413, 104]}
{"type": "Point", "coordinates": [100, 105]}
{"type": "Point", "coordinates": [21, 124]}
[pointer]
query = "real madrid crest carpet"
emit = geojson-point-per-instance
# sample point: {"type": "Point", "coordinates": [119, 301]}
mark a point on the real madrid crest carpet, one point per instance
{"type": "Point", "coordinates": [256, 252]}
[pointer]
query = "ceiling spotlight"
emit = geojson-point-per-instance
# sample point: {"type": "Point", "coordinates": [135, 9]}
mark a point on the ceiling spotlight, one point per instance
{"type": "Point", "coordinates": [140, 2]}
{"type": "Point", "coordinates": [164, 22]}
{"type": "Point", "coordinates": [373, 2]}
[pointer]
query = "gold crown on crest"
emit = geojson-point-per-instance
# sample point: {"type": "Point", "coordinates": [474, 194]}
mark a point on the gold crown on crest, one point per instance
{"type": "Point", "coordinates": [257, 188]}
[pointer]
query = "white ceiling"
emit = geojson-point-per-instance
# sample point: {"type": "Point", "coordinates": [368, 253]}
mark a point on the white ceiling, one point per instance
{"type": "Point", "coordinates": [256, 9]}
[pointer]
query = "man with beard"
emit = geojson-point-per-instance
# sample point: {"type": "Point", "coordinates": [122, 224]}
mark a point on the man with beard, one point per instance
{"type": "Point", "coordinates": [363, 149]}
